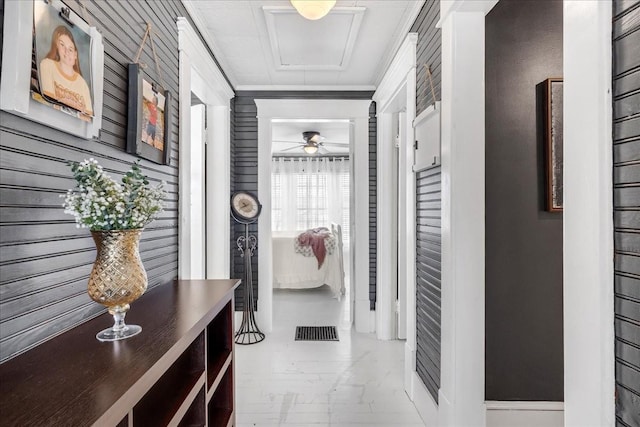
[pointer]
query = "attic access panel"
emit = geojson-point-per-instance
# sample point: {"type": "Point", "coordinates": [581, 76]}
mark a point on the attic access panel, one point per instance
{"type": "Point", "coordinates": [300, 44]}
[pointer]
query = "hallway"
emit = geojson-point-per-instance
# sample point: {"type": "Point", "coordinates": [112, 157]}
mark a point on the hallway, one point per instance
{"type": "Point", "coordinates": [357, 381]}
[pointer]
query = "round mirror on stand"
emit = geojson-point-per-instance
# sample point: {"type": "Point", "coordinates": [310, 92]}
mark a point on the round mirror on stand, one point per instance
{"type": "Point", "coordinates": [245, 209]}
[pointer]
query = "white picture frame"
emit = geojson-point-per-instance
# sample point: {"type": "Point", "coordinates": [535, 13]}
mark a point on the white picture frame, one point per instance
{"type": "Point", "coordinates": [427, 136]}
{"type": "Point", "coordinates": [15, 83]}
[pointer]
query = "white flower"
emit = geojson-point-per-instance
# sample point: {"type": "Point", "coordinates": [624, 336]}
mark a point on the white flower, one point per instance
{"type": "Point", "coordinates": [101, 203]}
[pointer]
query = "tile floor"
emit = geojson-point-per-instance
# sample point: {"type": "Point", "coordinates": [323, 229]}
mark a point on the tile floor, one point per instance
{"type": "Point", "coordinates": [356, 381]}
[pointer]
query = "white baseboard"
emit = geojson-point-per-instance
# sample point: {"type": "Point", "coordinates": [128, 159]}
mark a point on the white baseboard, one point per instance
{"type": "Point", "coordinates": [524, 414]}
{"type": "Point", "coordinates": [424, 403]}
{"type": "Point", "coordinates": [365, 318]}
{"type": "Point", "coordinates": [409, 369]}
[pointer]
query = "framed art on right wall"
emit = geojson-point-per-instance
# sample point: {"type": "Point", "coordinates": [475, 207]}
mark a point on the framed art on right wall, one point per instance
{"type": "Point", "coordinates": [553, 124]}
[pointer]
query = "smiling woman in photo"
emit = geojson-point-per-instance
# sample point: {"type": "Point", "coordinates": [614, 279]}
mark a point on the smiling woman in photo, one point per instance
{"type": "Point", "coordinates": [60, 75]}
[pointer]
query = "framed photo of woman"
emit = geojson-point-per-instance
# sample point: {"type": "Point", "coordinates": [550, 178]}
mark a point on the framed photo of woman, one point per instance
{"type": "Point", "coordinates": [55, 75]}
{"type": "Point", "coordinates": [63, 60]}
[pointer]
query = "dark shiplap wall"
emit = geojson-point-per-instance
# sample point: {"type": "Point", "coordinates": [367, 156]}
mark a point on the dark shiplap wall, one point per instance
{"type": "Point", "coordinates": [244, 158]}
{"type": "Point", "coordinates": [428, 209]}
{"type": "Point", "coordinates": [626, 215]}
{"type": "Point", "coordinates": [524, 347]}
{"type": "Point", "coordinates": [45, 260]}
{"type": "Point", "coordinates": [373, 203]}
{"type": "Point", "coordinates": [428, 277]}
{"type": "Point", "coordinates": [244, 176]}
{"type": "Point", "coordinates": [428, 53]}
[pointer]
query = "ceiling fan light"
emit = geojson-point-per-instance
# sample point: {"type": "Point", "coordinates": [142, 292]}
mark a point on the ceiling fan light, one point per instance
{"type": "Point", "coordinates": [313, 9]}
{"type": "Point", "coordinates": [310, 148]}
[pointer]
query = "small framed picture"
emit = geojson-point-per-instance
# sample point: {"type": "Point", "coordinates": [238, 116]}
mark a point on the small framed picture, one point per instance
{"type": "Point", "coordinates": [553, 144]}
{"type": "Point", "coordinates": [149, 118]}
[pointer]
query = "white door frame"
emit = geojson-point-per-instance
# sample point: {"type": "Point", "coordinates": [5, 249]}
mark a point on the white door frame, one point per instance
{"type": "Point", "coordinates": [589, 360]}
{"type": "Point", "coordinates": [396, 93]}
{"type": "Point", "coordinates": [358, 112]}
{"type": "Point", "coordinates": [461, 394]}
{"type": "Point", "coordinates": [588, 256]}
{"type": "Point", "coordinates": [199, 74]}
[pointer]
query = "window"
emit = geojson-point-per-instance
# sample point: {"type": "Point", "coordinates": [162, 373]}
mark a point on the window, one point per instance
{"type": "Point", "coordinates": [309, 193]}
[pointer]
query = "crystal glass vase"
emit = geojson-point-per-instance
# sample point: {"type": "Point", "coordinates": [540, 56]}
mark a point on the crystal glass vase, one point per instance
{"type": "Point", "coordinates": [117, 278]}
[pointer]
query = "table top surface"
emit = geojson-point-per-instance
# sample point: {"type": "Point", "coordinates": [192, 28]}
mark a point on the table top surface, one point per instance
{"type": "Point", "coordinates": [74, 379]}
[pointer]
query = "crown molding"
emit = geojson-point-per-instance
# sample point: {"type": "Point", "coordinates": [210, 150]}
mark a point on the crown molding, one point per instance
{"type": "Point", "coordinates": [200, 59]}
{"type": "Point", "coordinates": [217, 52]}
{"type": "Point", "coordinates": [406, 27]}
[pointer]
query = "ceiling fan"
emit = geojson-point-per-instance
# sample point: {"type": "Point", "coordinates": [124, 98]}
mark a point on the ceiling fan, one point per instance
{"type": "Point", "coordinates": [313, 143]}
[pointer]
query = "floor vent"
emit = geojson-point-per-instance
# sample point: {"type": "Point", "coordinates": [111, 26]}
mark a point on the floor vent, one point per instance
{"type": "Point", "coordinates": [316, 333]}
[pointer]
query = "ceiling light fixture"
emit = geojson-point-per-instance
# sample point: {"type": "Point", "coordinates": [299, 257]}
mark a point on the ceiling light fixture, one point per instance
{"type": "Point", "coordinates": [310, 148]}
{"type": "Point", "coordinates": [313, 9]}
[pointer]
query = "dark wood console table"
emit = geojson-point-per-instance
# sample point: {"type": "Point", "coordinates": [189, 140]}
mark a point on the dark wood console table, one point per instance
{"type": "Point", "coordinates": [178, 371]}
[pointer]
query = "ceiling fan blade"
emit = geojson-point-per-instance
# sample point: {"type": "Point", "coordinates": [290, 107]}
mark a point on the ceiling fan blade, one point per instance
{"type": "Point", "coordinates": [335, 144]}
{"type": "Point", "coordinates": [289, 142]}
{"type": "Point", "coordinates": [322, 150]}
{"type": "Point", "coordinates": [291, 149]}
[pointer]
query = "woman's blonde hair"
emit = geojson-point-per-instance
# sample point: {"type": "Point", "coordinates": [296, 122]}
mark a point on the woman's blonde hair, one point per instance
{"type": "Point", "coordinates": [61, 30]}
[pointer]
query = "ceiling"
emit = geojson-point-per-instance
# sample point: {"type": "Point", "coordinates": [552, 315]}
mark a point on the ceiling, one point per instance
{"type": "Point", "coordinates": [266, 45]}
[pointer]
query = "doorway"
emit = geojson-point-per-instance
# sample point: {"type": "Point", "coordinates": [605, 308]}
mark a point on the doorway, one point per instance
{"type": "Point", "coordinates": [310, 193]}
{"type": "Point", "coordinates": [202, 213]}
{"type": "Point", "coordinates": [357, 113]}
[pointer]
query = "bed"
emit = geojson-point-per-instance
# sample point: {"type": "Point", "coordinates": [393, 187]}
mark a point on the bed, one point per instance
{"type": "Point", "coordinates": [292, 270]}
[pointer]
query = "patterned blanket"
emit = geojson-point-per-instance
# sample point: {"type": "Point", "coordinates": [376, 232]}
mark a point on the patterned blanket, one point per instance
{"type": "Point", "coordinates": [315, 242]}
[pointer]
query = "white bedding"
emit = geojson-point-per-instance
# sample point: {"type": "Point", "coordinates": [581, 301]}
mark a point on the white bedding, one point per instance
{"type": "Point", "coordinates": [292, 270]}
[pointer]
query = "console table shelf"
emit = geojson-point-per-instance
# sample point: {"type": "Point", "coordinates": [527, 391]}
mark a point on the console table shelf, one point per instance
{"type": "Point", "coordinates": [177, 372]}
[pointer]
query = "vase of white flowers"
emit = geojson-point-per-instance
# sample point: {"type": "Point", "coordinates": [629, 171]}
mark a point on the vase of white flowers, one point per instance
{"type": "Point", "coordinates": [116, 214]}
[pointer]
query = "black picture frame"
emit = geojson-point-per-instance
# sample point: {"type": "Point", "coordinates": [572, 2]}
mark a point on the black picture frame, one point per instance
{"type": "Point", "coordinates": [553, 134]}
{"type": "Point", "coordinates": [144, 138]}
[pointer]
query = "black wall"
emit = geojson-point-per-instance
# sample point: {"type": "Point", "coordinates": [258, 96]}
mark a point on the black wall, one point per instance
{"type": "Point", "coordinates": [626, 211]}
{"type": "Point", "coordinates": [429, 277]}
{"type": "Point", "coordinates": [428, 54]}
{"type": "Point", "coordinates": [244, 166]}
{"type": "Point", "coordinates": [428, 207]}
{"type": "Point", "coordinates": [524, 357]}
{"type": "Point", "coordinates": [373, 206]}
{"type": "Point", "coordinates": [45, 259]}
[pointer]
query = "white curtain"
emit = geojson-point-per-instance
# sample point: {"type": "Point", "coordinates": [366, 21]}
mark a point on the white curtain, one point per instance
{"type": "Point", "coordinates": [309, 192]}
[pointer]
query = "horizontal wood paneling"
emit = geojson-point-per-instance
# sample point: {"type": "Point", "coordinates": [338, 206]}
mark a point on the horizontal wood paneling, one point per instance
{"type": "Point", "coordinates": [428, 206]}
{"type": "Point", "coordinates": [428, 277]}
{"type": "Point", "coordinates": [626, 218]}
{"type": "Point", "coordinates": [428, 54]}
{"type": "Point", "coordinates": [44, 259]}
{"type": "Point", "coordinates": [373, 206]}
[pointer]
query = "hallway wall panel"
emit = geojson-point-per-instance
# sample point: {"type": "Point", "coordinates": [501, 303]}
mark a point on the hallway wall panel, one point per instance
{"type": "Point", "coordinates": [626, 215]}
{"type": "Point", "coordinates": [524, 342]}
{"type": "Point", "coordinates": [428, 54]}
{"type": "Point", "coordinates": [45, 259]}
{"type": "Point", "coordinates": [428, 277]}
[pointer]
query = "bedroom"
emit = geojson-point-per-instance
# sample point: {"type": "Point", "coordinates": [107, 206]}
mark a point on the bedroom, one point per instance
{"type": "Point", "coordinates": [310, 198]}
